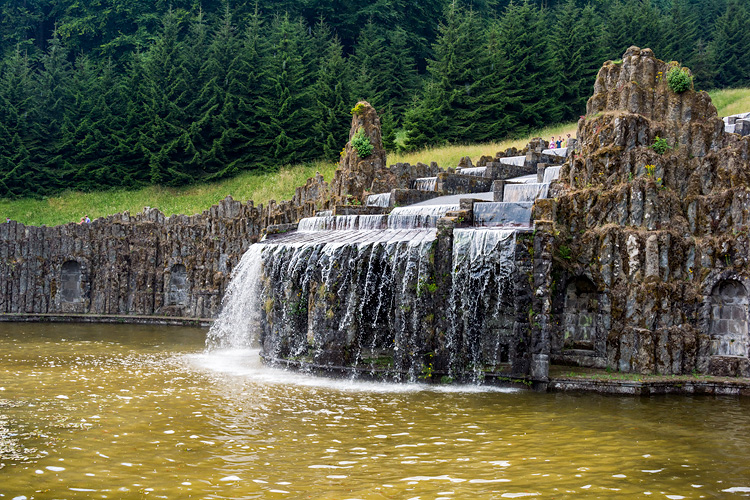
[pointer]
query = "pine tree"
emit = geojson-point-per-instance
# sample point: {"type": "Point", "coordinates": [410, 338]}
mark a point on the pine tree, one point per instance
{"type": "Point", "coordinates": [533, 89]}
{"type": "Point", "coordinates": [94, 137]}
{"type": "Point", "coordinates": [702, 65]}
{"type": "Point", "coordinates": [446, 110]}
{"type": "Point", "coordinates": [332, 98]}
{"type": "Point", "coordinates": [680, 33]}
{"type": "Point", "coordinates": [169, 146]}
{"type": "Point", "coordinates": [370, 66]}
{"type": "Point", "coordinates": [632, 22]}
{"type": "Point", "coordinates": [132, 152]}
{"type": "Point", "coordinates": [287, 102]}
{"type": "Point", "coordinates": [401, 82]}
{"type": "Point", "coordinates": [245, 144]}
{"type": "Point", "coordinates": [730, 48]}
{"type": "Point", "coordinates": [52, 104]}
{"type": "Point", "coordinates": [491, 95]}
{"type": "Point", "coordinates": [578, 55]}
{"type": "Point", "coordinates": [16, 94]}
{"type": "Point", "coordinates": [218, 101]}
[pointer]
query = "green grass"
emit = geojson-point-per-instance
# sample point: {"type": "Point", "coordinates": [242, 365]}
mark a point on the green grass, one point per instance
{"type": "Point", "coordinates": [71, 206]}
{"type": "Point", "coordinates": [731, 101]}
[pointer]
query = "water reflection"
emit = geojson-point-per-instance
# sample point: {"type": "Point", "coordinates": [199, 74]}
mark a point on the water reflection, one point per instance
{"type": "Point", "coordinates": [127, 412]}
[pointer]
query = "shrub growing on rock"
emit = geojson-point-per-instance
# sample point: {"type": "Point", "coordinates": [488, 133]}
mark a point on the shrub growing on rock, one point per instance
{"type": "Point", "coordinates": [660, 146]}
{"type": "Point", "coordinates": [679, 80]}
{"type": "Point", "coordinates": [361, 143]}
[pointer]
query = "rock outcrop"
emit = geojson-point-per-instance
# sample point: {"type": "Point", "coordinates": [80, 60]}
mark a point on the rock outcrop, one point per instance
{"type": "Point", "coordinates": [653, 248]}
{"type": "Point", "coordinates": [358, 174]}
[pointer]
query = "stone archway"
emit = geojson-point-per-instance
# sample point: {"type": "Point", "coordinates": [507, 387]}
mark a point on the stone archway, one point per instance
{"type": "Point", "coordinates": [71, 280]}
{"type": "Point", "coordinates": [728, 328]}
{"type": "Point", "coordinates": [580, 320]}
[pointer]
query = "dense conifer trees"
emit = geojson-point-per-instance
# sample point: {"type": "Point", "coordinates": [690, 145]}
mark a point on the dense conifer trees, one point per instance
{"type": "Point", "coordinates": [125, 93]}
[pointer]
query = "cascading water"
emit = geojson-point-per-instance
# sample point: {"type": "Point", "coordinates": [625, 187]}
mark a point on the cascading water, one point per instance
{"type": "Point", "coordinates": [379, 200]}
{"type": "Point", "coordinates": [341, 302]}
{"type": "Point", "coordinates": [239, 321]}
{"type": "Point", "coordinates": [418, 216]}
{"type": "Point", "coordinates": [525, 192]}
{"type": "Point", "coordinates": [426, 183]}
{"type": "Point", "coordinates": [551, 174]}
{"type": "Point", "coordinates": [517, 161]}
{"type": "Point", "coordinates": [556, 151]}
{"type": "Point", "coordinates": [475, 171]}
{"type": "Point", "coordinates": [342, 223]}
{"type": "Point", "coordinates": [482, 314]}
{"type": "Point", "coordinates": [503, 214]}
{"type": "Point", "coordinates": [367, 295]}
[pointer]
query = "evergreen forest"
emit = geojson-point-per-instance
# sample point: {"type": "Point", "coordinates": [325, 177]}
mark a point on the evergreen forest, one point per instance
{"type": "Point", "coordinates": [99, 94]}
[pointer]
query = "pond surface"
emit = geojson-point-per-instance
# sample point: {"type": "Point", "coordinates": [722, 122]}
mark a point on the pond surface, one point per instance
{"type": "Point", "coordinates": [116, 411]}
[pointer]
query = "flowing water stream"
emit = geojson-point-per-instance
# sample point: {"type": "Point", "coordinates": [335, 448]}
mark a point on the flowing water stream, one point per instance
{"type": "Point", "coordinates": [118, 411]}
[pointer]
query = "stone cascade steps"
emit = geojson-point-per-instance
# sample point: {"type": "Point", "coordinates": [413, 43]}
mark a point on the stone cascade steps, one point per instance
{"type": "Point", "coordinates": [518, 196]}
{"type": "Point", "coordinates": [379, 200]}
{"type": "Point", "coordinates": [528, 191]}
{"type": "Point", "coordinates": [562, 152]}
{"type": "Point", "coordinates": [517, 161]}
{"type": "Point", "coordinates": [425, 184]}
{"type": "Point", "coordinates": [503, 214]}
{"type": "Point", "coordinates": [737, 124]}
{"type": "Point", "coordinates": [343, 223]}
{"type": "Point", "coordinates": [551, 173]}
{"type": "Point", "coordinates": [477, 171]}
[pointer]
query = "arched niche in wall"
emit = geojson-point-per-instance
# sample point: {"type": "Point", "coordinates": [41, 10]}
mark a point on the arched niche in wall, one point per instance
{"type": "Point", "coordinates": [71, 281]}
{"type": "Point", "coordinates": [177, 294]}
{"type": "Point", "coordinates": [729, 319]}
{"type": "Point", "coordinates": [580, 315]}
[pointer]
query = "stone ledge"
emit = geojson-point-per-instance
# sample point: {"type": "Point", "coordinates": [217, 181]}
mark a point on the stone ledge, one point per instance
{"type": "Point", "coordinates": [602, 382]}
{"type": "Point", "coordinates": [105, 318]}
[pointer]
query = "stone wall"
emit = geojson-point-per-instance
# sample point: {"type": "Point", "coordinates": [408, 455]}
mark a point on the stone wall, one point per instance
{"type": "Point", "coordinates": [145, 264]}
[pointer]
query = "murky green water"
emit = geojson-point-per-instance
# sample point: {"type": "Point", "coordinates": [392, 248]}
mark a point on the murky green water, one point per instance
{"type": "Point", "coordinates": [102, 411]}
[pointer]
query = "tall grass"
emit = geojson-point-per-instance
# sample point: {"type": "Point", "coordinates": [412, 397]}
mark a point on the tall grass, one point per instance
{"type": "Point", "coordinates": [731, 101]}
{"type": "Point", "coordinates": [449, 156]}
{"type": "Point", "coordinates": [71, 206]}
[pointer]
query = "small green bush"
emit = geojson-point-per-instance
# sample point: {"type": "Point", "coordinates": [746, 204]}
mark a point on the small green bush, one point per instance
{"type": "Point", "coordinates": [361, 143]}
{"type": "Point", "coordinates": [679, 80]}
{"type": "Point", "coordinates": [660, 145]}
{"type": "Point", "coordinates": [358, 109]}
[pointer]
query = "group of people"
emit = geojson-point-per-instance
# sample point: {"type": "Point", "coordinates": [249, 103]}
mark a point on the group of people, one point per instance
{"type": "Point", "coordinates": [85, 220]}
{"type": "Point", "coordinates": [559, 142]}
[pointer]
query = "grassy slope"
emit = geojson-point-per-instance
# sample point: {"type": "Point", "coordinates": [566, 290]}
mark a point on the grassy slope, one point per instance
{"type": "Point", "coordinates": [72, 206]}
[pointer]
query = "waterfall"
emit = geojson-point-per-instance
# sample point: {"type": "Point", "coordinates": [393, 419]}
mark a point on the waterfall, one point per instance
{"type": "Point", "coordinates": [239, 321]}
{"type": "Point", "coordinates": [418, 216]}
{"type": "Point", "coordinates": [551, 174]}
{"type": "Point", "coordinates": [379, 200]}
{"type": "Point", "coordinates": [426, 183]}
{"type": "Point", "coordinates": [345, 301]}
{"type": "Point", "coordinates": [525, 192]}
{"type": "Point", "coordinates": [482, 300]}
{"type": "Point", "coordinates": [508, 214]}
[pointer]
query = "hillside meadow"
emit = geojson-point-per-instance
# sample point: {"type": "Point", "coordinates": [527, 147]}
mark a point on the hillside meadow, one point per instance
{"type": "Point", "coordinates": [262, 187]}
